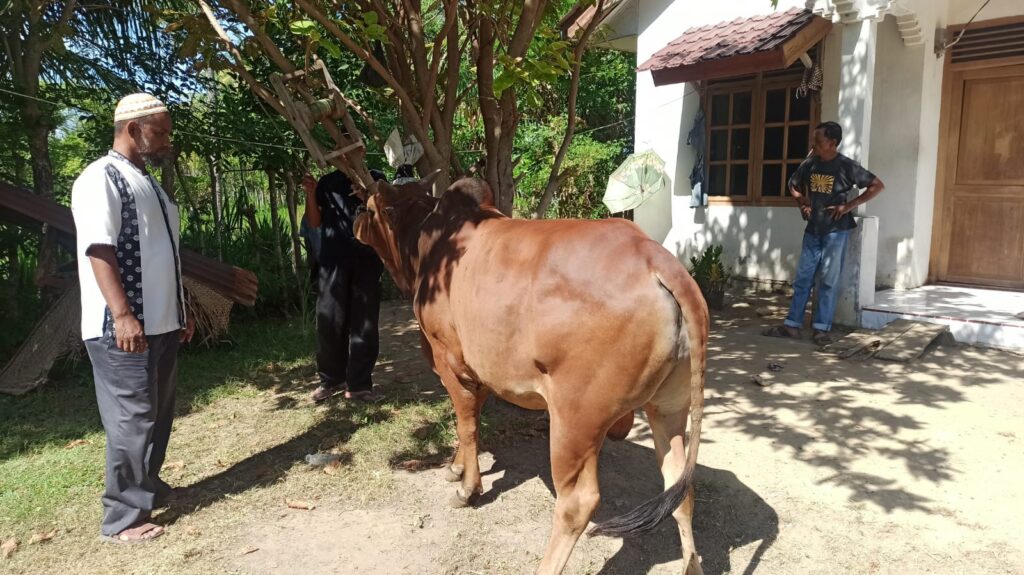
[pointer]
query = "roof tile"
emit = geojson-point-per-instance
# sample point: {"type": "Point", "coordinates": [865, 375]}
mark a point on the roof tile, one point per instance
{"type": "Point", "coordinates": [739, 36]}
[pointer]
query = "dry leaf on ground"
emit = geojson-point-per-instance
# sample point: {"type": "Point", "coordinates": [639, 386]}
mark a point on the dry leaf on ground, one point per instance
{"type": "Point", "coordinates": [248, 550]}
{"type": "Point", "coordinates": [8, 548]}
{"type": "Point", "coordinates": [43, 536]}
{"type": "Point", "coordinates": [295, 504]}
{"type": "Point", "coordinates": [174, 465]}
{"type": "Point", "coordinates": [332, 468]}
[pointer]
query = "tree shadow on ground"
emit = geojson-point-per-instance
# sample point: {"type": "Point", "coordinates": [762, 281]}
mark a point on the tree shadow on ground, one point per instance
{"type": "Point", "coordinates": [847, 409]}
{"type": "Point", "coordinates": [728, 513]}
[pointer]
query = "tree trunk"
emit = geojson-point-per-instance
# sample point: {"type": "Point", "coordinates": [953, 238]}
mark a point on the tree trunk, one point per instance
{"type": "Point", "coordinates": [37, 129]}
{"type": "Point", "coordinates": [244, 204]}
{"type": "Point", "coordinates": [275, 226]}
{"type": "Point", "coordinates": [38, 132]}
{"type": "Point", "coordinates": [167, 177]}
{"type": "Point", "coordinates": [187, 200]}
{"type": "Point", "coordinates": [293, 223]}
{"type": "Point", "coordinates": [218, 204]}
{"type": "Point", "coordinates": [13, 278]}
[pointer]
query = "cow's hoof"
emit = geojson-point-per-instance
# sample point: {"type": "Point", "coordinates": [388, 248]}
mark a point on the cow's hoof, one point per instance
{"type": "Point", "coordinates": [460, 500]}
{"type": "Point", "coordinates": [453, 473]}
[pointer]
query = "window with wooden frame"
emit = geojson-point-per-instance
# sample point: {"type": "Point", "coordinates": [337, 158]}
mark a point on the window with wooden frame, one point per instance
{"type": "Point", "coordinates": [758, 132]}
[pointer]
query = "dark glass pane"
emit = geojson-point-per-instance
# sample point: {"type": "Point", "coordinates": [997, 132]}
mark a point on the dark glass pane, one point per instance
{"type": "Point", "coordinates": [799, 108]}
{"type": "Point", "coordinates": [771, 180]}
{"type": "Point", "coordinates": [720, 110]}
{"type": "Point", "coordinates": [716, 180]}
{"type": "Point", "coordinates": [740, 144]}
{"type": "Point", "coordinates": [790, 170]}
{"type": "Point", "coordinates": [773, 142]}
{"type": "Point", "coordinates": [738, 180]}
{"type": "Point", "coordinates": [741, 103]}
{"type": "Point", "coordinates": [719, 145]}
{"type": "Point", "coordinates": [797, 146]}
{"type": "Point", "coordinates": [775, 106]}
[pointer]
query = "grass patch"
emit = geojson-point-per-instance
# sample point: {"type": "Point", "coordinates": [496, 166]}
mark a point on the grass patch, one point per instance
{"type": "Point", "coordinates": [244, 424]}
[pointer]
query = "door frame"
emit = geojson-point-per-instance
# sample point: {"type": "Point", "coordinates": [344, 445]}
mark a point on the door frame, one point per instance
{"type": "Point", "coordinates": [938, 258]}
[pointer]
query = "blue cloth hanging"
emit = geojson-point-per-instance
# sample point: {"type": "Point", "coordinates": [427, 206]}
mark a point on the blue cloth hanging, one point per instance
{"type": "Point", "coordinates": [695, 138]}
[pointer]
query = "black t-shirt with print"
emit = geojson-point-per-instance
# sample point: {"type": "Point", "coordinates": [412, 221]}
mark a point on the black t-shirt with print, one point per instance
{"type": "Point", "coordinates": [829, 184]}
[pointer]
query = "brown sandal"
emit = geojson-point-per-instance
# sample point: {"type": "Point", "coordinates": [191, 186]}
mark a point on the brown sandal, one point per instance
{"type": "Point", "coordinates": [823, 338]}
{"type": "Point", "coordinates": [138, 533]}
{"type": "Point", "coordinates": [365, 396]}
{"type": "Point", "coordinates": [323, 393]}
{"type": "Point", "coordinates": [782, 331]}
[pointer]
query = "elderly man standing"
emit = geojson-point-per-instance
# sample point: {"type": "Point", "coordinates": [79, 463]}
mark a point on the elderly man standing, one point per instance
{"type": "Point", "coordinates": [133, 311]}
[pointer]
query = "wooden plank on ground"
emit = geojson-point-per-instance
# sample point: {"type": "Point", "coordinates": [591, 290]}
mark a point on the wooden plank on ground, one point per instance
{"type": "Point", "coordinates": [852, 343]}
{"type": "Point", "coordinates": [861, 339]}
{"type": "Point", "coordinates": [912, 343]}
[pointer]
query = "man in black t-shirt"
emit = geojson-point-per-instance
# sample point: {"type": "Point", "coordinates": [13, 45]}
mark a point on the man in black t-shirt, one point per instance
{"type": "Point", "coordinates": [825, 187]}
{"type": "Point", "coordinates": [348, 300]}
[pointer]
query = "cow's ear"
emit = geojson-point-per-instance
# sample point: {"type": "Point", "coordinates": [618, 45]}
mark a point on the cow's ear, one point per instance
{"type": "Point", "coordinates": [427, 182]}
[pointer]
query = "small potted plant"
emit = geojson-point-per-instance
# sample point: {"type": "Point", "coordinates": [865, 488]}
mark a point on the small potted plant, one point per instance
{"type": "Point", "coordinates": [711, 275]}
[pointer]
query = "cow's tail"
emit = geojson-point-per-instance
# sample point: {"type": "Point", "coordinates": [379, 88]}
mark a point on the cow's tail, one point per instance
{"type": "Point", "coordinates": [694, 318]}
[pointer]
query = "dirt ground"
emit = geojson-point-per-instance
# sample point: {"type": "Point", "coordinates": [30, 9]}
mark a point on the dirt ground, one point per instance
{"type": "Point", "coordinates": [836, 467]}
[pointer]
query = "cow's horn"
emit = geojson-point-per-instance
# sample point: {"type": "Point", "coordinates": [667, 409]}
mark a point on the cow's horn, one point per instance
{"type": "Point", "coordinates": [428, 180]}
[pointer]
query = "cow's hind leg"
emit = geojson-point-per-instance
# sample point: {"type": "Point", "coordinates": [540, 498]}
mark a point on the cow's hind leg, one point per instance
{"type": "Point", "coordinates": [668, 426]}
{"type": "Point", "coordinates": [456, 470]}
{"type": "Point", "coordinates": [574, 454]}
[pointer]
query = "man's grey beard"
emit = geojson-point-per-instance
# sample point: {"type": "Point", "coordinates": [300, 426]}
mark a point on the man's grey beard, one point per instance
{"type": "Point", "coordinates": [159, 159]}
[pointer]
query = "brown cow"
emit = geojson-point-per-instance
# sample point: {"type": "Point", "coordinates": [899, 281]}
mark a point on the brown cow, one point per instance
{"type": "Point", "coordinates": [587, 319]}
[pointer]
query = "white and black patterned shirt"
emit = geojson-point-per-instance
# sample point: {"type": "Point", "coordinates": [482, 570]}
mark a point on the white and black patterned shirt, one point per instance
{"type": "Point", "coordinates": [116, 204]}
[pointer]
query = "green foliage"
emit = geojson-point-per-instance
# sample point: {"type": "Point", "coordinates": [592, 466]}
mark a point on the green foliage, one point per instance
{"type": "Point", "coordinates": [167, 48]}
{"type": "Point", "coordinates": [709, 271]}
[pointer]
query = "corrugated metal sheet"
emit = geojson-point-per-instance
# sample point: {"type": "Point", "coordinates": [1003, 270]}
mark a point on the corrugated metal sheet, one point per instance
{"type": "Point", "coordinates": [22, 206]}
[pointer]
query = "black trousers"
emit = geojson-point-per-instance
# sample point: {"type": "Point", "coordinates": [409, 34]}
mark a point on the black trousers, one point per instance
{"type": "Point", "coordinates": [347, 312]}
{"type": "Point", "coordinates": [135, 393]}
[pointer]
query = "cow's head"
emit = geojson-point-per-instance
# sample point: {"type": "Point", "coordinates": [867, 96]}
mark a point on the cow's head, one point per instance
{"type": "Point", "coordinates": [391, 224]}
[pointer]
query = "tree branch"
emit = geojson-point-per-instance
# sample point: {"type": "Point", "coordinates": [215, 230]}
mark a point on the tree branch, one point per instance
{"type": "Point", "coordinates": [529, 20]}
{"type": "Point", "coordinates": [239, 65]}
{"type": "Point", "coordinates": [556, 177]}
{"type": "Point", "coordinates": [404, 100]}
{"type": "Point", "coordinates": [269, 47]}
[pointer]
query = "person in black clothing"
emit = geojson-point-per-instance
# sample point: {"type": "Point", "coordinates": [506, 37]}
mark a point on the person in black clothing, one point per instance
{"type": "Point", "coordinates": [348, 302]}
{"type": "Point", "coordinates": [825, 187]}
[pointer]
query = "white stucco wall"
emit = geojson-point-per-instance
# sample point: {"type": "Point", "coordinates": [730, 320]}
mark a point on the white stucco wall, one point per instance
{"type": "Point", "coordinates": [899, 140]}
{"type": "Point", "coordinates": [761, 242]}
{"type": "Point", "coordinates": [895, 152]}
{"type": "Point", "coordinates": [960, 11]}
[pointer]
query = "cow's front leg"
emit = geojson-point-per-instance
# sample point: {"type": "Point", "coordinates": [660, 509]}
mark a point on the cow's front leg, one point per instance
{"type": "Point", "coordinates": [456, 470]}
{"type": "Point", "coordinates": [467, 397]}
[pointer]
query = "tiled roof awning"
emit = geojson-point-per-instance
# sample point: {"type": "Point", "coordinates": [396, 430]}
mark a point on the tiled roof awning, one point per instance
{"type": "Point", "coordinates": [742, 46]}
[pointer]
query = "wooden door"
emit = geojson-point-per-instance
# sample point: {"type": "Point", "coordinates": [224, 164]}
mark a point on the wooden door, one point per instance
{"type": "Point", "coordinates": [981, 224]}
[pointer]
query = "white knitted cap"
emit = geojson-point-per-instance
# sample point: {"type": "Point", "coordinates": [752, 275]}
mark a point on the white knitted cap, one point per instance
{"type": "Point", "coordinates": [136, 106]}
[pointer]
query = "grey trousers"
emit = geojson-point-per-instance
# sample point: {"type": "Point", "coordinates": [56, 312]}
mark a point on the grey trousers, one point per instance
{"type": "Point", "coordinates": [135, 394]}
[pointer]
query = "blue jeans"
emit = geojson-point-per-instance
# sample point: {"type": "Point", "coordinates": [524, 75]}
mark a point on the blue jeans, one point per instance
{"type": "Point", "coordinates": [822, 254]}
